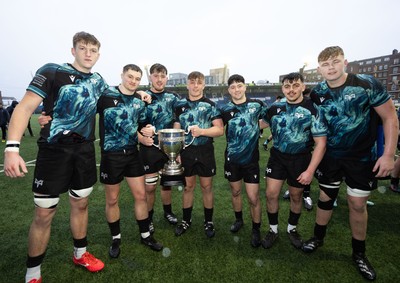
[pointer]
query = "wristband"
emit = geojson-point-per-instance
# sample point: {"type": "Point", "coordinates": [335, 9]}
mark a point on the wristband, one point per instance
{"type": "Point", "coordinates": [11, 149]}
{"type": "Point", "coordinates": [13, 143]}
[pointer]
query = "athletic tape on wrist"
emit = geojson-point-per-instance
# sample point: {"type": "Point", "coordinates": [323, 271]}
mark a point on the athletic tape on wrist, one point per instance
{"type": "Point", "coordinates": [11, 149]}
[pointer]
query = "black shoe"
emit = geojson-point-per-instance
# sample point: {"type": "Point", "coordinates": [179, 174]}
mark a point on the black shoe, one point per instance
{"type": "Point", "coordinates": [209, 229]}
{"type": "Point", "coordinates": [114, 250]}
{"type": "Point", "coordinates": [364, 266]}
{"type": "Point", "coordinates": [255, 238]}
{"type": "Point", "coordinates": [151, 227]}
{"type": "Point", "coordinates": [311, 245]}
{"type": "Point", "coordinates": [295, 238]}
{"type": "Point", "coordinates": [182, 227]}
{"type": "Point", "coordinates": [152, 243]}
{"type": "Point", "coordinates": [171, 218]}
{"type": "Point", "coordinates": [236, 225]}
{"type": "Point", "coordinates": [269, 239]}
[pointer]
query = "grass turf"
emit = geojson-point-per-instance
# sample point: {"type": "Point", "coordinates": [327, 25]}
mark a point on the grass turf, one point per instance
{"type": "Point", "coordinates": [192, 257]}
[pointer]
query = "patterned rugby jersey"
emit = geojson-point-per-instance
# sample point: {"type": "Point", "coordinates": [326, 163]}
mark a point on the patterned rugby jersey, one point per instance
{"type": "Point", "coordinates": [159, 112]}
{"type": "Point", "coordinates": [70, 98]}
{"type": "Point", "coordinates": [242, 130]}
{"type": "Point", "coordinates": [293, 126]}
{"type": "Point", "coordinates": [201, 112]}
{"type": "Point", "coordinates": [120, 117]}
{"type": "Point", "coordinates": [349, 113]}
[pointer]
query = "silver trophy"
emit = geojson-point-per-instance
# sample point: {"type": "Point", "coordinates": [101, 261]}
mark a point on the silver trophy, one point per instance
{"type": "Point", "coordinates": [171, 142]}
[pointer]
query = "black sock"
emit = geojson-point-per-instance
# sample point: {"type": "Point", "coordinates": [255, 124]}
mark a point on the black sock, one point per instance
{"type": "Point", "coordinates": [320, 231]}
{"type": "Point", "coordinates": [208, 214]}
{"type": "Point", "coordinates": [358, 246]}
{"type": "Point", "coordinates": [239, 215]}
{"type": "Point", "coordinates": [187, 214]}
{"type": "Point", "coordinates": [167, 208]}
{"type": "Point", "coordinates": [114, 228]}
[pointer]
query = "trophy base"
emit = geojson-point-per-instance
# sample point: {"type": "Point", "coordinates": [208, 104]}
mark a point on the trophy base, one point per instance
{"type": "Point", "coordinates": [172, 180]}
{"type": "Point", "coordinates": [172, 170]}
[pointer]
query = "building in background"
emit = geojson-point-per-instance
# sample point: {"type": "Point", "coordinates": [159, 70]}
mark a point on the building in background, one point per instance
{"type": "Point", "coordinates": [220, 75]}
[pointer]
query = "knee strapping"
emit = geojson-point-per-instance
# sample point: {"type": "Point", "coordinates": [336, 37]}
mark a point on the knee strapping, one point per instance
{"type": "Point", "coordinates": [79, 194]}
{"type": "Point", "coordinates": [331, 190]}
{"type": "Point", "coordinates": [46, 201]}
{"type": "Point", "coordinates": [326, 205]}
{"type": "Point", "coordinates": [152, 180]}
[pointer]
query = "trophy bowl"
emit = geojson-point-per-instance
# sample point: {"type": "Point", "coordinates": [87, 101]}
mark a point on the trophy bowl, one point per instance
{"type": "Point", "coordinates": [171, 142]}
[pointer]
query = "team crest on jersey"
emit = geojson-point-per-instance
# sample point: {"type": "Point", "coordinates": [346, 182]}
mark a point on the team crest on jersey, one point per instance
{"type": "Point", "coordinates": [299, 115]}
{"type": "Point", "coordinates": [278, 110]}
{"type": "Point", "coordinates": [252, 110]}
{"type": "Point", "coordinates": [136, 106]}
{"type": "Point", "coordinates": [202, 108]}
{"type": "Point", "coordinates": [322, 99]}
{"type": "Point", "coordinates": [349, 96]}
{"type": "Point", "coordinates": [232, 113]}
{"type": "Point", "coordinates": [183, 109]}
{"type": "Point", "coordinates": [72, 78]}
{"type": "Point", "coordinates": [38, 183]}
{"type": "Point", "coordinates": [115, 101]}
{"type": "Point", "coordinates": [93, 81]}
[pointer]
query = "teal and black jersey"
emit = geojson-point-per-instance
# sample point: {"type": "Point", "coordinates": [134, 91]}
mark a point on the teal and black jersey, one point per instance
{"type": "Point", "coordinates": [120, 117]}
{"type": "Point", "coordinates": [159, 112]}
{"type": "Point", "coordinates": [349, 114]}
{"type": "Point", "coordinates": [70, 98]}
{"type": "Point", "coordinates": [242, 130]}
{"type": "Point", "coordinates": [201, 112]}
{"type": "Point", "coordinates": [293, 126]}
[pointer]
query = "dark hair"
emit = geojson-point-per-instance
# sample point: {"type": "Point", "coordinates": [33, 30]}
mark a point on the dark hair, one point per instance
{"type": "Point", "coordinates": [158, 68]}
{"type": "Point", "coordinates": [132, 67]}
{"type": "Point", "coordinates": [196, 75]}
{"type": "Point", "coordinates": [293, 77]}
{"type": "Point", "coordinates": [86, 38]}
{"type": "Point", "coordinates": [235, 78]}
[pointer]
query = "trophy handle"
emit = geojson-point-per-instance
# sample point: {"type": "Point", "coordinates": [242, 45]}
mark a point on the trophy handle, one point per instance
{"type": "Point", "coordinates": [155, 132]}
{"type": "Point", "coordinates": [186, 133]}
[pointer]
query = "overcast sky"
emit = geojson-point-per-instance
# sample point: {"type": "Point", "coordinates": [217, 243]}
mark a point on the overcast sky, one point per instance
{"type": "Point", "coordinates": [259, 39]}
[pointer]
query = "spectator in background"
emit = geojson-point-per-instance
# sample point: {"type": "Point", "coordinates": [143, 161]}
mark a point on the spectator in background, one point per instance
{"type": "Point", "coordinates": [4, 119]}
{"type": "Point", "coordinates": [11, 108]}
